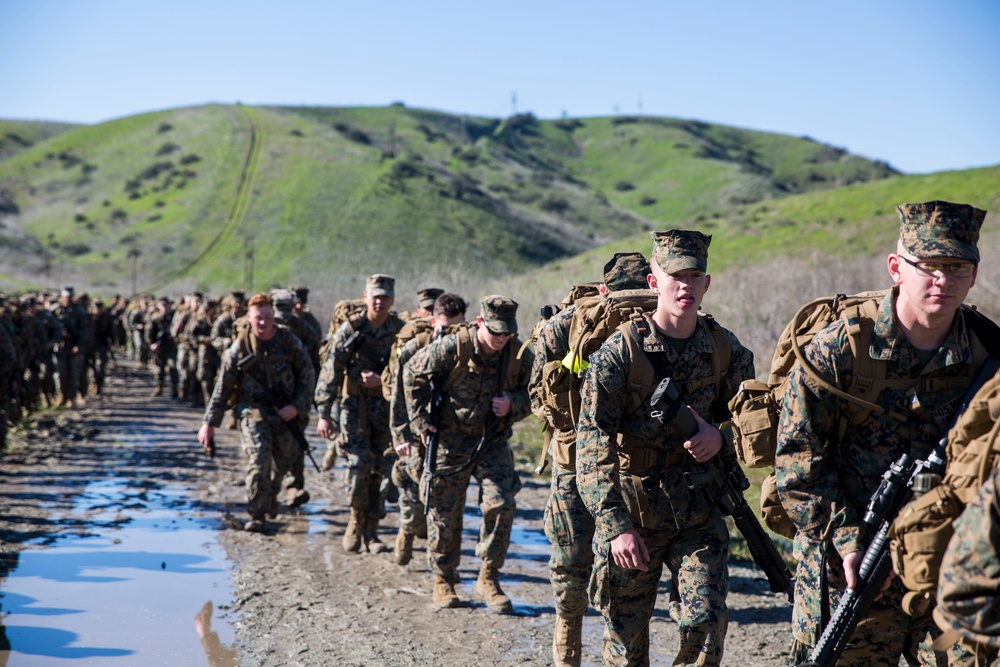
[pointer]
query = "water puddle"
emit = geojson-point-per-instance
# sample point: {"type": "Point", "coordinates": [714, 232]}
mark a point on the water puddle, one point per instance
{"type": "Point", "coordinates": [149, 586]}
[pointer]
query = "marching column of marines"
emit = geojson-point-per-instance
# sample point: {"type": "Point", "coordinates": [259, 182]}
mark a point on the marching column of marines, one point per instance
{"type": "Point", "coordinates": [420, 404]}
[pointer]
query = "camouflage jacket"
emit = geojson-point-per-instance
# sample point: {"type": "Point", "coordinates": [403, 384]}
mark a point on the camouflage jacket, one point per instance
{"type": "Point", "coordinates": [75, 323]}
{"type": "Point", "coordinates": [283, 360]}
{"type": "Point", "coordinates": [825, 480]}
{"type": "Point", "coordinates": [222, 331]}
{"type": "Point", "coordinates": [341, 374]}
{"type": "Point", "coordinates": [608, 491]}
{"type": "Point", "coordinates": [8, 356]}
{"type": "Point", "coordinates": [50, 332]}
{"type": "Point", "coordinates": [467, 403]}
{"type": "Point", "coordinates": [969, 587]}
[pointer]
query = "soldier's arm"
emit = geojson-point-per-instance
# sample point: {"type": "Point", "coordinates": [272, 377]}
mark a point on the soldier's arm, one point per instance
{"type": "Point", "coordinates": [399, 421]}
{"type": "Point", "coordinates": [434, 360]}
{"type": "Point", "coordinates": [808, 437]}
{"type": "Point", "coordinates": [520, 401]}
{"type": "Point", "coordinates": [602, 405]}
{"type": "Point", "coordinates": [224, 384]}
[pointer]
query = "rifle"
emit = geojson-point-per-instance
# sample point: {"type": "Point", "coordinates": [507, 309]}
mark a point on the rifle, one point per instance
{"type": "Point", "coordinates": [892, 494]}
{"type": "Point", "coordinates": [275, 398]}
{"type": "Point", "coordinates": [723, 482]}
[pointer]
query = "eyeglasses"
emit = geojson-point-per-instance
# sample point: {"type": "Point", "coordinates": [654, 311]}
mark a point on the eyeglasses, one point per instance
{"type": "Point", "coordinates": [505, 334]}
{"type": "Point", "coordinates": [956, 269]}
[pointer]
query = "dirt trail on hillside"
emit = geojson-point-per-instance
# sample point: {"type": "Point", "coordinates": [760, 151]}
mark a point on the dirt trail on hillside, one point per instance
{"type": "Point", "coordinates": [299, 599]}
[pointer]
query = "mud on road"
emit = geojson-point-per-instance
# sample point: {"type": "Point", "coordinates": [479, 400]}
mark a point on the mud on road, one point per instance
{"type": "Point", "coordinates": [295, 597]}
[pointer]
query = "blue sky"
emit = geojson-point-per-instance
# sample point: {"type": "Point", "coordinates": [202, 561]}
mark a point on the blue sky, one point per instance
{"type": "Point", "coordinates": [915, 83]}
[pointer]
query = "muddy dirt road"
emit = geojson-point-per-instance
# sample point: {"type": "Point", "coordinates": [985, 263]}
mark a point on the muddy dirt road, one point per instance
{"type": "Point", "coordinates": [124, 475]}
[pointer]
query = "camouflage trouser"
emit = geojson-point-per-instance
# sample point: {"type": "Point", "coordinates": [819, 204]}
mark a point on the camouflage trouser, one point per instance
{"type": "Point", "coordinates": [364, 423]}
{"type": "Point", "coordinates": [70, 373]}
{"type": "Point", "coordinates": [296, 478]}
{"type": "Point", "coordinates": [626, 598]}
{"type": "Point", "coordinates": [187, 368]}
{"type": "Point", "coordinates": [100, 367]}
{"type": "Point", "coordinates": [406, 472]}
{"type": "Point", "coordinates": [498, 484]}
{"type": "Point", "coordinates": [206, 378]}
{"type": "Point", "coordinates": [49, 370]}
{"type": "Point", "coordinates": [269, 449]}
{"type": "Point", "coordinates": [166, 365]}
{"type": "Point", "coordinates": [570, 529]}
{"type": "Point", "coordinates": [884, 634]}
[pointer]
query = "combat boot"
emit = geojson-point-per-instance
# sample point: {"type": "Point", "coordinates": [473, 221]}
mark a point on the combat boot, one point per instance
{"type": "Point", "coordinates": [297, 497]}
{"type": "Point", "coordinates": [329, 459]}
{"type": "Point", "coordinates": [372, 543]}
{"type": "Point", "coordinates": [488, 590]}
{"type": "Point", "coordinates": [158, 391]}
{"type": "Point", "coordinates": [567, 640]}
{"type": "Point", "coordinates": [352, 534]}
{"type": "Point", "coordinates": [444, 593]}
{"type": "Point", "coordinates": [254, 525]}
{"type": "Point", "coordinates": [404, 547]}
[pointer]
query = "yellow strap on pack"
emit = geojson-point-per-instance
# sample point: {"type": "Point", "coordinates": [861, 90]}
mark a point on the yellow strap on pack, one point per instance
{"type": "Point", "coordinates": [574, 364]}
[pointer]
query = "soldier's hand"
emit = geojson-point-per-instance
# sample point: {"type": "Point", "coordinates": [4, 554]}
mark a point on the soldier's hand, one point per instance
{"type": "Point", "coordinates": [403, 449]}
{"type": "Point", "coordinates": [502, 405]}
{"type": "Point", "coordinates": [430, 429]}
{"type": "Point", "coordinates": [325, 429]}
{"type": "Point", "coordinates": [288, 413]}
{"type": "Point", "coordinates": [205, 435]}
{"type": "Point", "coordinates": [852, 563]}
{"type": "Point", "coordinates": [371, 380]}
{"type": "Point", "coordinates": [706, 443]}
{"type": "Point", "coordinates": [629, 550]}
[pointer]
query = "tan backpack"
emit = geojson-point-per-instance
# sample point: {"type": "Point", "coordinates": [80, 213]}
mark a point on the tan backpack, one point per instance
{"type": "Point", "coordinates": [412, 329]}
{"type": "Point", "coordinates": [757, 405]}
{"type": "Point", "coordinates": [923, 528]}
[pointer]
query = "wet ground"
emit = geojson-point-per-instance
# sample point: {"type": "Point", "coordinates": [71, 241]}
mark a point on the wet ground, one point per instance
{"type": "Point", "coordinates": [122, 546]}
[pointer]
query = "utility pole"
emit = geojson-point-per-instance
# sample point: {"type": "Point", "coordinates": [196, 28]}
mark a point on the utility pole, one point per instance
{"type": "Point", "coordinates": [513, 103]}
{"type": "Point", "coordinates": [392, 138]}
{"type": "Point", "coordinates": [133, 261]}
{"type": "Point", "coordinates": [640, 102]}
{"type": "Point", "coordinates": [248, 259]}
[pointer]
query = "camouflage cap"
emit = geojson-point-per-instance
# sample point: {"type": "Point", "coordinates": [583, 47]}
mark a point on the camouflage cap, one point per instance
{"type": "Point", "coordinates": [237, 295]}
{"type": "Point", "coordinates": [626, 270]}
{"type": "Point", "coordinates": [940, 229]}
{"type": "Point", "coordinates": [427, 296]}
{"type": "Point", "coordinates": [67, 291]}
{"type": "Point", "coordinates": [283, 298]}
{"type": "Point", "coordinates": [380, 284]}
{"type": "Point", "coordinates": [499, 313]}
{"type": "Point", "coordinates": [301, 293]}
{"type": "Point", "coordinates": [678, 249]}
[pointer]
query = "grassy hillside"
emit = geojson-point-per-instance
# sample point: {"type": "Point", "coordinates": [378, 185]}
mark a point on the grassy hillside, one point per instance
{"type": "Point", "coordinates": [18, 135]}
{"type": "Point", "coordinates": [329, 195]}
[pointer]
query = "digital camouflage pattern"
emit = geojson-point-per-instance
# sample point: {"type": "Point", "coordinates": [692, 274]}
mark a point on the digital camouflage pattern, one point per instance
{"type": "Point", "coordinates": [75, 324]}
{"type": "Point", "coordinates": [569, 526]}
{"type": "Point", "coordinates": [686, 533]}
{"type": "Point", "coordinates": [499, 313]}
{"type": "Point", "coordinates": [825, 481]}
{"type": "Point", "coordinates": [157, 332]}
{"type": "Point", "coordinates": [364, 413]}
{"type": "Point", "coordinates": [267, 442]}
{"type": "Point", "coordinates": [677, 249]}
{"type": "Point", "coordinates": [626, 270]}
{"type": "Point", "coordinates": [969, 588]}
{"type": "Point", "coordinates": [941, 229]}
{"type": "Point", "coordinates": [464, 418]}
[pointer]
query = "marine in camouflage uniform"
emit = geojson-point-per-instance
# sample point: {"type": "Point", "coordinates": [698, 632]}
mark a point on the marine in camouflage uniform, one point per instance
{"type": "Point", "coordinates": [473, 411]}
{"type": "Point", "coordinates": [630, 467]}
{"type": "Point", "coordinates": [448, 312]}
{"type": "Point", "coordinates": [302, 311]}
{"type": "Point", "coordinates": [267, 442]}
{"type": "Point", "coordinates": [568, 524]}
{"type": "Point", "coordinates": [352, 374]}
{"type": "Point", "coordinates": [52, 330]}
{"type": "Point", "coordinates": [209, 358]}
{"type": "Point", "coordinates": [70, 352]}
{"type": "Point", "coordinates": [825, 479]}
{"type": "Point", "coordinates": [161, 345]}
{"type": "Point", "coordinates": [104, 339]}
{"type": "Point", "coordinates": [222, 329]}
{"type": "Point", "coordinates": [284, 314]}
{"type": "Point", "coordinates": [969, 588]}
{"type": "Point", "coordinates": [187, 350]}
{"type": "Point", "coordinates": [8, 365]}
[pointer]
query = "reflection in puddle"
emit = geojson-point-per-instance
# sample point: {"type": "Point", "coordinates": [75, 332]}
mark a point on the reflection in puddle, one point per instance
{"type": "Point", "coordinates": [128, 594]}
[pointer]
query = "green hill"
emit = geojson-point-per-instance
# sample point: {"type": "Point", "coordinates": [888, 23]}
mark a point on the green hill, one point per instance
{"type": "Point", "coordinates": [328, 195]}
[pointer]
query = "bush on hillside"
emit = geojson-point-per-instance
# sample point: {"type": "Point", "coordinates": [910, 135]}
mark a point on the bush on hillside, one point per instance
{"type": "Point", "coordinates": [624, 186]}
{"type": "Point", "coordinates": [167, 149]}
{"type": "Point", "coordinates": [296, 133]}
{"type": "Point", "coordinates": [79, 217]}
{"type": "Point", "coordinates": [7, 204]}
{"type": "Point", "coordinates": [76, 249]}
{"type": "Point", "coordinates": [164, 127]}
{"type": "Point", "coordinates": [647, 200]}
{"type": "Point", "coordinates": [553, 204]}
{"type": "Point", "coordinates": [352, 133]}
{"type": "Point", "coordinates": [568, 124]}
{"type": "Point", "coordinates": [190, 158]}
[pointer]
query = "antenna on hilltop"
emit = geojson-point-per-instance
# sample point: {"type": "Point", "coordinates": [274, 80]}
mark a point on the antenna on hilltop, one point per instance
{"type": "Point", "coordinates": [513, 103]}
{"type": "Point", "coordinates": [640, 102]}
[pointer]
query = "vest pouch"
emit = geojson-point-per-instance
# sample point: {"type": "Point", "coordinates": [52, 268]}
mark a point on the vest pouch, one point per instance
{"type": "Point", "coordinates": [771, 511]}
{"type": "Point", "coordinates": [921, 534]}
{"type": "Point", "coordinates": [557, 383]}
{"type": "Point", "coordinates": [755, 424]}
